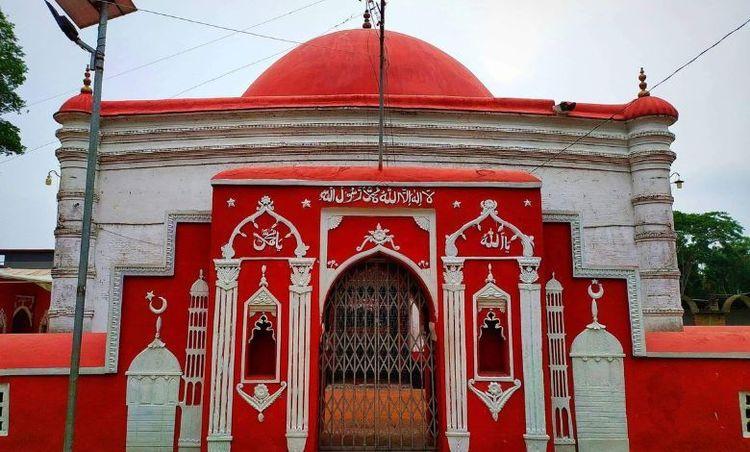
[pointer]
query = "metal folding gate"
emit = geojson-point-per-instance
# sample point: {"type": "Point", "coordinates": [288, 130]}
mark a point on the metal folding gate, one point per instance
{"type": "Point", "coordinates": [376, 363]}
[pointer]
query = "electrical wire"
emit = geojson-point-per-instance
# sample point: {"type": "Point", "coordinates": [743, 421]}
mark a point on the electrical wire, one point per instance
{"type": "Point", "coordinates": [28, 151]}
{"type": "Point", "coordinates": [223, 27]}
{"type": "Point", "coordinates": [232, 71]}
{"type": "Point", "coordinates": [349, 18]}
{"type": "Point", "coordinates": [625, 107]}
{"type": "Point", "coordinates": [184, 51]}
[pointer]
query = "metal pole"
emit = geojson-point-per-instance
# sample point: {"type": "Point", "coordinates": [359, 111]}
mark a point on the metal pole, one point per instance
{"type": "Point", "coordinates": [380, 86]}
{"type": "Point", "coordinates": [88, 203]}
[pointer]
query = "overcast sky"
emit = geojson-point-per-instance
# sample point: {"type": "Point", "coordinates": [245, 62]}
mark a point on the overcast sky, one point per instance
{"type": "Point", "coordinates": [587, 51]}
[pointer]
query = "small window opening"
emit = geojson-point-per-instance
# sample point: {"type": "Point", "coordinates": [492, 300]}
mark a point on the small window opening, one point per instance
{"type": "Point", "coordinates": [261, 350]}
{"type": "Point", "coordinates": [4, 408]}
{"type": "Point", "coordinates": [745, 413]}
{"type": "Point", "coordinates": [492, 347]}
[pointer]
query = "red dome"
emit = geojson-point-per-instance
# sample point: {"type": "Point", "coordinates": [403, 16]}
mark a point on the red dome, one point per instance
{"type": "Point", "coordinates": [346, 62]}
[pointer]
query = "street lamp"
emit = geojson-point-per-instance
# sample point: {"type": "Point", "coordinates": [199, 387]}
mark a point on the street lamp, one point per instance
{"type": "Point", "coordinates": [86, 13]}
{"type": "Point", "coordinates": [48, 179]}
{"type": "Point", "coordinates": [678, 181]}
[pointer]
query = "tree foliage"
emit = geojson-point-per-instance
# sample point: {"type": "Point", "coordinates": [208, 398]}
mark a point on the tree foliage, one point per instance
{"type": "Point", "coordinates": [713, 254]}
{"type": "Point", "coordinates": [12, 75]}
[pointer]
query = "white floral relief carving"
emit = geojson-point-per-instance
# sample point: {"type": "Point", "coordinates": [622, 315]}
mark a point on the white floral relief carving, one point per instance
{"type": "Point", "coordinates": [489, 210]}
{"type": "Point", "coordinates": [227, 272]}
{"type": "Point", "coordinates": [453, 272]}
{"type": "Point", "coordinates": [495, 398]}
{"type": "Point", "coordinates": [268, 237]}
{"type": "Point", "coordinates": [261, 398]}
{"type": "Point", "coordinates": [334, 221]}
{"type": "Point", "coordinates": [300, 275]}
{"type": "Point", "coordinates": [423, 222]}
{"type": "Point", "coordinates": [529, 269]}
{"type": "Point", "coordinates": [379, 236]}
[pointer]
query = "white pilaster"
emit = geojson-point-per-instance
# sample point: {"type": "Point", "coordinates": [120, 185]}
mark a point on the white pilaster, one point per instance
{"type": "Point", "coordinates": [531, 339]}
{"type": "Point", "coordinates": [222, 358]}
{"type": "Point", "coordinates": [298, 395]}
{"type": "Point", "coordinates": [454, 327]}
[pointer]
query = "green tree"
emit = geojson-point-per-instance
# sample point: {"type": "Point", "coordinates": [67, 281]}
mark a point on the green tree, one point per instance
{"type": "Point", "coordinates": [12, 75]}
{"type": "Point", "coordinates": [713, 254]}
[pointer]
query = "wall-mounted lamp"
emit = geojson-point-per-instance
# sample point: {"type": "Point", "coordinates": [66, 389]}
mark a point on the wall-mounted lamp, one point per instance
{"type": "Point", "coordinates": [678, 180]}
{"type": "Point", "coordinates": [48, 179]}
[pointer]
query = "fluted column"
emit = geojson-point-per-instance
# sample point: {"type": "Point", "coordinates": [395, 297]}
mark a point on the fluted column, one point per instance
{"type": "Point", "coordinates": [454, 327]}
{"type": "Point", "coordinates": [531, 342]}
{"type": "Point", "coordinates": [222, 355]}
{"type": "Point", "coordinates": [650, 162]}
{"type": "Point", "coordinates": [298, 393]}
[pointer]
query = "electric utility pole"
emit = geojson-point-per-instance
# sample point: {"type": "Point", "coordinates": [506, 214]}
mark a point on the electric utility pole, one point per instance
{"type": "Point", "coordinates": [381, 87]}
{"type": "Point", "coordinates": [85, 13]}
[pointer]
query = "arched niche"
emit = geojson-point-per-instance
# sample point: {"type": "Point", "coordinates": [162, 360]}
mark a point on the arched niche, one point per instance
{"type": "Point", "coordinates": [423, 276]}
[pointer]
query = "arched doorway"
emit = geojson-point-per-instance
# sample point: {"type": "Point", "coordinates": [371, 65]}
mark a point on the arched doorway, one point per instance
{"type": "Point", "coordinates": [377, 362]}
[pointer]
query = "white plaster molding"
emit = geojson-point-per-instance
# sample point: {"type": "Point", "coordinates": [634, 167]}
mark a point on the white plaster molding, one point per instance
{"type": "Point", "coordinates": [222, 355]}
{"type": "Point", "coordinates": [454, 326]}
{"type": "Point", "coordinates": [172, 219]}
{"type": "Point", "coordinates": [335, 215]}
{"type": "Point", "coordinates": [489, 210]}
{"type": "Point", "coordinates": [379, 237]}
{"type": "Point", "coordinates": [562, 420]}
{"type": "Point", "coordinates": [630, 275]}
{"type": "Point", "coordinates": [494, 397]}
{"type": "Point", "coordinates": [536, 437]}
{"type": "Point", "coordinates": [334, 221]}
{"type": "Point", "coordinates": [191, 405]}
{"type": "Point", "coordinates": [265, 207]}
{"type": "Point", "coordinates": [374, 194]}
{"type": "Point", "coordinates": [423, 222]}
{"type": "Point", "coordinates": [262, 301]}
{"type": "Point", "coordinates": [261, 398]}
{"type": "Point", "coordinates": [492, 295]}
{"type": "Point", "coordinates": [298, 365]}
{"type": "Point", "coordinates": [153, 381]}
{"type": "Point", "coordinates": [599, 385]}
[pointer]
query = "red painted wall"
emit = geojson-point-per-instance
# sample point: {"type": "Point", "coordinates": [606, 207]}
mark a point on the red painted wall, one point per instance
{"type": "Point", "coordinates": [672, 404]}
{"type": "Point", "coordinates": [8, 293]}
{"type": "Point", "coordinates": [37, 403]}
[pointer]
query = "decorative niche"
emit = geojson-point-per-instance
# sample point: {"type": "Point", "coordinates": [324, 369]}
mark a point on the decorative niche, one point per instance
{"type": "Point", "coordinates": [261, 343]}
{"type": "Point", "coordinates": [493, 333]}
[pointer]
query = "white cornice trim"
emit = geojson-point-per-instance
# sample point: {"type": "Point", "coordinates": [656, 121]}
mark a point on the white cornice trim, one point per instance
{"type": "Point", "coordinates": [325, 183]}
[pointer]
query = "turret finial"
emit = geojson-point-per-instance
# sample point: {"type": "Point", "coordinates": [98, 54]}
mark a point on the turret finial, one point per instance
{"type": "Point", "coordinates": [86, 88]}
{"type": "Point", "coordinates": [642, 85]}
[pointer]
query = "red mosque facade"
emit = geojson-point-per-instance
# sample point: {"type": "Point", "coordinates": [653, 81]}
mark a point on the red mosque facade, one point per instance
{"type": "Point", "coordinates": [442, 303]}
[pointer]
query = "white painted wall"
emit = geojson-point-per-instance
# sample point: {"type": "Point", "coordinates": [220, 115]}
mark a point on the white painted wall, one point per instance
{"type": "Point", "coordinates": [153, 164]}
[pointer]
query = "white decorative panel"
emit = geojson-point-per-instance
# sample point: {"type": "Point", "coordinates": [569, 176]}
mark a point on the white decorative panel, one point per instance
{"type": "Point", "coordinates": [152, 393]}
{"type": "Point", "coordinates": [599, 386]}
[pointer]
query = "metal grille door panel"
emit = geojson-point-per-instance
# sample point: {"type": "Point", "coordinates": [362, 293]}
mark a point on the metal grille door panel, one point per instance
{"type": "Point", "coordinates": [376, 363]}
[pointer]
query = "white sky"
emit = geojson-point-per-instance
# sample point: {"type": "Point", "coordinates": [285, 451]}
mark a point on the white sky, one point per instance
{"type": "Point", "coordinates": [587, 51]}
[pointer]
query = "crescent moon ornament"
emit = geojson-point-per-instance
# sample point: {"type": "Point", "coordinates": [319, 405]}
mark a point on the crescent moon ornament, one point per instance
{"type": "Point", "coordinates": [598, 294]}
{"type": "Point", "coordinates": [161, 308]}
{"type": "Point", "coordinates": [595, 295]}
{"type": "Point", "coordinates": [156, 311]}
